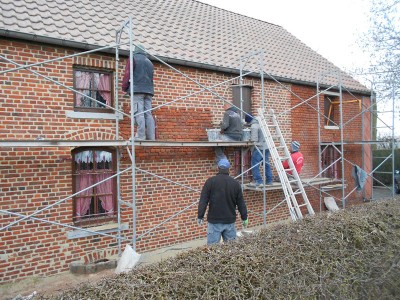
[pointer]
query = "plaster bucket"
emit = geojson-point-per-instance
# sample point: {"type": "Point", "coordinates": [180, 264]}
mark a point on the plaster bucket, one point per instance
{"type": "Point", "coordinates": [246, 134]}
{"type": "Point", "coordinates": [213, 134]}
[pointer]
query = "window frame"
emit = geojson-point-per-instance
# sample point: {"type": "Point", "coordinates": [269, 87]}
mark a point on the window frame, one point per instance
{"type": "Point", "coordinates": [247, 91]}
{"type": "Point", "coordinates": [93, 219]}
{"type": "Point", "coordinates": [330, 153]}
{"type": "Point", "coordinates": [92, 71]}
{"type": "Point", "coordinates": [329, 110]}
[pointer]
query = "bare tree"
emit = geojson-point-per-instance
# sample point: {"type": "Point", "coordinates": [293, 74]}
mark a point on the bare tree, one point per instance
{"type": "Point", "coordinates": [386, 141]}
{"type": "Point", "coordinates": [382, 42]}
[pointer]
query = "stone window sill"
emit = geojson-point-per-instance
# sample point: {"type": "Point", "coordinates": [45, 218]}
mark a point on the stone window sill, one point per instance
{"type": "Point", "coordinates": [108, 228]}
{"type": "Point", "coordinates": [92, 115]}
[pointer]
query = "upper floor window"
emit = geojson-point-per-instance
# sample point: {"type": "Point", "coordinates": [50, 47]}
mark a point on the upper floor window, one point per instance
{"type": "Point", "coordinates": [242, 93]}
{"type": "Point", "coordinates": [329, 110]}
{"type": "Point", "coordinates": [98, 203]}
{"type": "Point", "coordinates": [95, 90]}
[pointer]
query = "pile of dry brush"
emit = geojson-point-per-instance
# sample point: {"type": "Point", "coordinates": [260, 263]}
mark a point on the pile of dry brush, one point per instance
{"type": "Point", "coordinates": [351, 254]}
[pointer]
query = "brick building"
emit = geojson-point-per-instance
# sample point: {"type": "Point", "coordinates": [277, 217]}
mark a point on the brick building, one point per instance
{"type": "Point", "coordinates": [49, 138]}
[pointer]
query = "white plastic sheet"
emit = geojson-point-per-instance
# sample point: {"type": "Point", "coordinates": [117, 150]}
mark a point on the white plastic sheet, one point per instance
{"type": "Point", "coordinates": [128, 260]}
{"type": "Point", "coordinates": [330, 204]}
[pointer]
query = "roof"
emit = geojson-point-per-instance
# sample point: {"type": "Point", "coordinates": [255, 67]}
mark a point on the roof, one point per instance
{"type": "Point", "coordinates": [185, 31]}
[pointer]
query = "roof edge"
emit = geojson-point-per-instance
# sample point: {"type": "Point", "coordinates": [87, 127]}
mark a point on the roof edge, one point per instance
{"type": "Point", "coordinates": [86, 46]}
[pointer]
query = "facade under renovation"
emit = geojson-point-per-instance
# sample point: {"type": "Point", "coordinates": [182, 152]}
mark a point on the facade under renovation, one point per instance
{"type": "Point", "coordinates": [75, 187]}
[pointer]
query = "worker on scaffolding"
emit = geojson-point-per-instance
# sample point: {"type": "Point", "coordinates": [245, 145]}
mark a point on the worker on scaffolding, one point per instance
{"type": "Point", "coordinates": [231, 129]}
{"type": "Point", "coordinates": [259, 152]}
{"type": "Point", "coordinates": [296, 156]}
{"type": "Point", "coordinates": [222, 194]}
{"type": "Point", "coordinates": [143, 91]}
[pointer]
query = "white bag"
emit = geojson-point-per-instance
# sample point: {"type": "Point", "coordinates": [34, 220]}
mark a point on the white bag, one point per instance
{"type": "Point", "coordinates": [128, 260]}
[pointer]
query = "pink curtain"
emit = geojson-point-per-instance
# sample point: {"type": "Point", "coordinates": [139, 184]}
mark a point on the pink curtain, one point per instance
{"type": "Point", "coordinates": [104, 88]}
{"type": "Point", "coordinates": [82, 83]}
{"type": "Point", "coordinates": [104, 190]}
{"type": "Point", "coordinates": [83, 203]}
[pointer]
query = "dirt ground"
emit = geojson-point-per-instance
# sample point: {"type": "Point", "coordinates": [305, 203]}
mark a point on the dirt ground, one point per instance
{"type": "Point", "coordinates": [49, 285]}
{"type": "Point", "coordinates": [53, 285]}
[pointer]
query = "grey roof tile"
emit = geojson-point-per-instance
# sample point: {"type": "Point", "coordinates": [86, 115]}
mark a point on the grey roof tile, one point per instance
{"type": "Point", "coordinates": [187, 30]}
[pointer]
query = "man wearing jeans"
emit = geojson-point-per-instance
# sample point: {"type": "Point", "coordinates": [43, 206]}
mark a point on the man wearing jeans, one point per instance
{"type": "Point", "coordinates": [257, 153]}
{"type": "Point", "coordinates": [143, 91]}
{"type": "Point", "coordinates": [222, 194]}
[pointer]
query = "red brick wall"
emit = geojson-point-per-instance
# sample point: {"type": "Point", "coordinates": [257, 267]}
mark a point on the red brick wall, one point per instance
{"type": "Point", "coordinates": [33, 178]}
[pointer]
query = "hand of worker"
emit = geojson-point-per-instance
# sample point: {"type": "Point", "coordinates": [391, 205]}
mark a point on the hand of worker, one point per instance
{"type": "Point", "coordinates": [245, 223]}
{"type": "Point", "coordinates": [200, 222]}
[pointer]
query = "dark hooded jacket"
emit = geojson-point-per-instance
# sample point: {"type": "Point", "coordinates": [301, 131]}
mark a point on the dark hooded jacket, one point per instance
{"type": "Point", "coordinates": [232, 124]}
{"type": "Point", "coordinates": [143, 71]}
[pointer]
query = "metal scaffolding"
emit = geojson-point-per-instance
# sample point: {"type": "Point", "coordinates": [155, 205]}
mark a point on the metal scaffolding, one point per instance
{"type": "Point", "coordinates": [127, 25]}
{"type": "Point", "coordinates": [131, 144]}
{"type": "Point", "coordinates": [338, 90]}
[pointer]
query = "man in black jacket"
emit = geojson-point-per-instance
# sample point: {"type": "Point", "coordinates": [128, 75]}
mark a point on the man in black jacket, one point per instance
{"type": "Point", "coordinates": [222, 194]}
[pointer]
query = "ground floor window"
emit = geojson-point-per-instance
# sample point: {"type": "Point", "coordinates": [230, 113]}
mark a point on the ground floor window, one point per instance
{"type": "Point", "coordinates": [95, 204]}
{"type": "Point", "coordinates": [237, 164]}
{"type": "Point", "coordinates": [331, 162]}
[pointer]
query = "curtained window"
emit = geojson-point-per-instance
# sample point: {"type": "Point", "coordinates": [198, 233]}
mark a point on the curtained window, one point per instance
{"type": "Point", "coordinates": [98, 203]}
{"type": "Point", "coordinates": [94, 87]}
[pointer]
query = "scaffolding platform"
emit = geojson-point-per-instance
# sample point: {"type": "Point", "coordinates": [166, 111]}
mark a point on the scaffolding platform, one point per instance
{"type": "Point", "coordinates": [332, 187]}
{"type": "Point", "coordinates": [305, 181]}
{"type": "Point", "coordinates": [93, 143]}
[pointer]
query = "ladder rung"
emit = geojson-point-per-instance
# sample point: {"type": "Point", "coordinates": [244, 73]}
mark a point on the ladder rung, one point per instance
{"type": "Point", "coordinates": [304, 204]}
{"type": "Point", "coordinates": [279, 153]}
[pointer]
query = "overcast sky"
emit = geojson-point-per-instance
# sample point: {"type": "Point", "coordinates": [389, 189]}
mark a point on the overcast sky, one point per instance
{"type": "Point", "coordinates": [329, 27]}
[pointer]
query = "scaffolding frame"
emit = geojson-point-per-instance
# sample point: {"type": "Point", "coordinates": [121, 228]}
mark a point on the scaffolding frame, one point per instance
{"type": "Point", "coordinates": [128, 25]}
{"type": "Point", "coordinates": [132, 143]}
{"type": "Point", "coordinates": [339, 89]}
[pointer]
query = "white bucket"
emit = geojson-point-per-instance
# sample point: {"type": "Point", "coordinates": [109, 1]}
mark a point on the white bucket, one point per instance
{"type": "Point", "coordinates": [213, 134]}
{"type": "Point", "coordinates": [246, 134]}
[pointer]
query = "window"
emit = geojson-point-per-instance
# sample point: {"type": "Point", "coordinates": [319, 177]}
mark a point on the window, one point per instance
{"type": "Point", "coordinates": [331, 163]}
{"type": "Point", "coordinates": [98, 203]}
{"type": "Point", "coordinates": [237, 165]}
{"type": "Point", "coordinates": [94, 87]}
{"type": "Point", "coordinates": [329, 110]}
{"type": "Point", "coordinates": [242, 92]}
